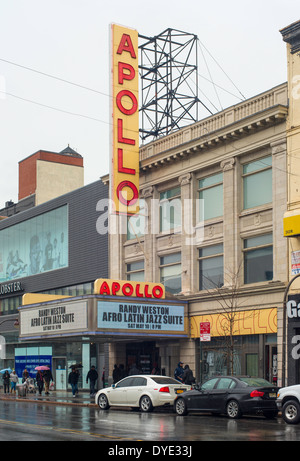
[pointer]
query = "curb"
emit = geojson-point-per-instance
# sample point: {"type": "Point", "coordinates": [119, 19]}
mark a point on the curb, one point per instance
{"type": "Point", "coordinates": [50, 402]}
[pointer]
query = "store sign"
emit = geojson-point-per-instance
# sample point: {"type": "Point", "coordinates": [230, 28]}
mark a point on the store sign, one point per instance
{"type": "Point", "coordinates": [293, 309]}
{"type": "Point", "coordinates": [13, 287]}
{"type": "Point", "coordinates": [139, 316]}
{"type": "Point", "coordinates": [53, 319]}
{"type": "Point", "coordinates": [112, 287]}
{"type": "Point", "coordinates": [124, 178]}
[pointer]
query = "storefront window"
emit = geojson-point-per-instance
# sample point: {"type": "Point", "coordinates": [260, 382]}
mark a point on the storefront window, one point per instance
{"type": "Point", "coordinates": [220, 359]}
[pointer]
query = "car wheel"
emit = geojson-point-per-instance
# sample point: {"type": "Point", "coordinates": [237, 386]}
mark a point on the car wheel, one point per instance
{"type": "Point", "coordinates": [103, 402]}
{"type": "Point", "coordinates": [146, 404]}
{"type": "Point", "coordinates": [291, 412]}
{"type": "Point", "coordinates": [233, 410]}
{"type": "Point", "coordinates": [180, 407]}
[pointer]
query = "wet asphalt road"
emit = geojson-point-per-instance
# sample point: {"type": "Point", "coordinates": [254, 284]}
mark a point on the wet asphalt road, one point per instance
{"type": "Point", "coordinates": [22, 421]}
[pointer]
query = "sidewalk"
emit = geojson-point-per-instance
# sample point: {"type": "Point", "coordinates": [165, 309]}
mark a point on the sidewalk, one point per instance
{"type": "Point", "coordinates": [55, 397]}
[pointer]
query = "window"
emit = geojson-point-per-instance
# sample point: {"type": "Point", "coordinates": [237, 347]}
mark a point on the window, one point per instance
{"type": "Point", "coordinates": [136, 223]}
{"type": "Point", "coordinates": [210, 384]}
{"type": "Point", "coordinates": [135, 271]}
{"type": "Point", "coordinates": [126, 382]}
{"type": "Point", "coordinates": [258, 259]}
{"type": "Point", "coordinates": [226, 383]}
{"type": "Point", "coordinates": [170, 209]}
{"type": "Point", "coordinates": [170, 272]}
{"type": "Point", "coordinates": [211, 273]}
{"type": "Point", "coordinates": [257, 182]}
{"type": "Point", "coordinates": [139, 382]}
{"type": "Point", "coordinates": [211, 197]}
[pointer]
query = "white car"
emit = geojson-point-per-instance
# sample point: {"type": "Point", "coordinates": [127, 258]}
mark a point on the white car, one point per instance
{"type": "Point", "coordinates": [141, 391]}
{"type": "Point", "coordinates": [288, 402]}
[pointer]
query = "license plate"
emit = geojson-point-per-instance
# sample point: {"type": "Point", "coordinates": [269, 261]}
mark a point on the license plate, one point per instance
{"type": "Point", "coordinates": [179, 391]}
{"type": "Point", "coordinates": [272, 395]}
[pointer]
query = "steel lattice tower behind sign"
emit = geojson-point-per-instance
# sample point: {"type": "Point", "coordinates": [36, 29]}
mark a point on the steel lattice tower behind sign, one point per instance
{"type": "Point", "coordinates": [169, 83]}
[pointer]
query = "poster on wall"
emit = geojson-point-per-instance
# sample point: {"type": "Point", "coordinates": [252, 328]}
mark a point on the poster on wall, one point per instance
{"type": "Point", "coordinates": [295, 259]}
{"type": "Point", "coordinates": [30, 362]}
{"type": "Point", "coordinates": [34, 246]}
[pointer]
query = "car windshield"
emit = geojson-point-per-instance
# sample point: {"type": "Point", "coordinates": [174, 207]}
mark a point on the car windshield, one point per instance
{"type": "Point", "coordinates": [256, 382]}
{"type": "Point", "coordinates": [166, 380]}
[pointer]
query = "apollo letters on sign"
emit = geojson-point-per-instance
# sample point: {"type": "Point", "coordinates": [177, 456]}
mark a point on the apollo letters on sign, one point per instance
{"type": "Point", "coordinates": [124, 173]}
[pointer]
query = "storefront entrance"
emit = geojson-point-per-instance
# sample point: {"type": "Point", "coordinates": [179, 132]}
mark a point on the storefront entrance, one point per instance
{"type": "Point", "coordinates": [144, 355]}
{"type": "Point", "coordinates": [59, 372]}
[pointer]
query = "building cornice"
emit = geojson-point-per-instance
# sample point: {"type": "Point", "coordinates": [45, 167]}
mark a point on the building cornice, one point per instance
{"type": "Point", "coordinates": [245, 127]}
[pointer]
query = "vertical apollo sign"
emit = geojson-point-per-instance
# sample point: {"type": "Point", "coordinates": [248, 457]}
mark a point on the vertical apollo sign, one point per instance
{"type": "Point", "coordinates": [124, 177]}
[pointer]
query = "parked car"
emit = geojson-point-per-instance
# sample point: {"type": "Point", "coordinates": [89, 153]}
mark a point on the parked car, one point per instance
{"type": "Point", "coordinates": [288, 402]}
{"type": "Point", "coordinates": [141, 391]}
{"type": "Point", "coordinates": [230, 395]}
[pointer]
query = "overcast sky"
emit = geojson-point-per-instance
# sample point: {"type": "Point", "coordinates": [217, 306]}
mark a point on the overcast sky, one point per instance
{"type": "Point", "coordinates": [69, 39]}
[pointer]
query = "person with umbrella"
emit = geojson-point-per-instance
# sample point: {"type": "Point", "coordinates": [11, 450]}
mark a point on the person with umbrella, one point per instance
{"type": "Point", "coordinates": [39, 380]}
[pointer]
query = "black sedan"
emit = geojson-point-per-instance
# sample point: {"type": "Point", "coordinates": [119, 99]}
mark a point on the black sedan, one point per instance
{"type": "Point", "coordinates": [230, 395]}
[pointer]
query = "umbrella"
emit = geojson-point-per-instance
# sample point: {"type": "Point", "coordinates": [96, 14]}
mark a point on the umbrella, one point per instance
{"type": "Point", "coordinates": [6, 369]}
{"type": "Point", "coordinates": [42, 367]}
{"type": "Point", "coordinates": [76, 365]}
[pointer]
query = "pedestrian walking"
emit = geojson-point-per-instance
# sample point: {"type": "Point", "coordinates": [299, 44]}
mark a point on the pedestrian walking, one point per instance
{"type": "Point", "coordinates": [47, 377]}
{"type": "Point", "coordinates": [116, 374]}
{"type": "Point", "coordinates": [134, 370]}
{"type": "Point", "coordinates": [122, 371]}
{"type": "Point", "coordinates": [188, 377]}
{"type": "Point", "coordinates": [103, 377]}
{"type": "Point", "coordinates": [92, 376]}
{"type": "Point", "coordinates": [13, 381]}
{"type": "Point", "coordinates": [39, 381]}
{"type": "Point", "coordinates": [73, 380]}
{"type": "Point", "coordinates": [6, 382]}
{"type": "Point", "coordinates": [178, 373]}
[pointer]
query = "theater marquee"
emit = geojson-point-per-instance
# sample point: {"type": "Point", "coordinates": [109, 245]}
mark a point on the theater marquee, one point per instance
{"type": "Point", "coordinates": [131, 315]}
{"type": "Point", "coordinates": [53, 318]}
{"type": "Point", "coordinates": [104, 317]}
{"type": "Point", "coordinates": [124, 173]}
